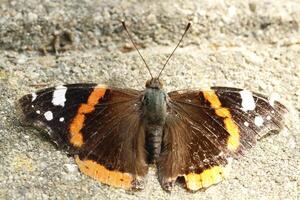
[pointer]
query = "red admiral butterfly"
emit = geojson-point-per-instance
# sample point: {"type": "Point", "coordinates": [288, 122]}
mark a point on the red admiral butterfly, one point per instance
{"type": "Point", "coordinates": [115, 134]}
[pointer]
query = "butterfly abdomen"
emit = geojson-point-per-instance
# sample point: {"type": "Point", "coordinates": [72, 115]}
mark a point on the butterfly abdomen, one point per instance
{"type": "Point", "coordinates": [154, 111]}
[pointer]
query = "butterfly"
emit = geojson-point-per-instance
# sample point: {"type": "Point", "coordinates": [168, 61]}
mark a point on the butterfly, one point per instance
{"type": "Point", "coordinates": [116, 134]}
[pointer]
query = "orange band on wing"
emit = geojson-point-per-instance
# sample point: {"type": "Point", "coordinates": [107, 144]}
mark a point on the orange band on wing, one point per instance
{"type": "Point", "coordinates": [212, 98]}
{"type": "Point", "coordinates": [207, 178]}
{"type": "Point", "coordinates": [223, 112]}
{"type": "Point", "coordinates": [102, 174]}
{"type": "Point", "coordinates": [76, 137]}
{"type": "Point", "coordinates": [233, 141]}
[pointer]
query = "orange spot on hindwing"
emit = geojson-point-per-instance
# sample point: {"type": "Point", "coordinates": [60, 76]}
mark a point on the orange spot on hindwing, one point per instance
{"type": "Point", "coordinates": [207, 178]}
{"type": "Point", "coordinates": [233, 140]}
{"type": "Point", "coordinates": [76, 137]}
{"type": "Point", "coordinates": [102, 174]}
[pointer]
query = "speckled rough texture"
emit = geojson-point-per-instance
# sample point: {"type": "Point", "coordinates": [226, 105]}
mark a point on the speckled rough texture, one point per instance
{"type": "Point", "coordinates": [246, 44]}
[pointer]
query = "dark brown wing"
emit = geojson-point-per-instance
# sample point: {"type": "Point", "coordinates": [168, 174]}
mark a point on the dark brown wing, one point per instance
{"type": "Point", "coordinates": [205, 128]}
{"type": "Point", "coordinates": [100, 125]}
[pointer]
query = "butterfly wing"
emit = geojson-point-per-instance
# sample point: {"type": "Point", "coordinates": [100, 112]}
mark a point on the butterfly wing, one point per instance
{"type": "Point", "coordinates": [101, 126]}
{"type": "Point", "coordinates": [204, 129]}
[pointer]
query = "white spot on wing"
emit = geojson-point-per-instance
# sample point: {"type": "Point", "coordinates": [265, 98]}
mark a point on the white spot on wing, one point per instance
{"type": "Point", "coordinates": [268, 117]}
{"type": "Point", "coordinates": [246, 124]}
{"type": "Point", "coordinates": [258, 121]}
{"type": "Point", "coordinates": [38, 112]}
{"type": "Point", "coordinates": [247, 100]}
{"type": "Point", "coordinates": [274, 97]}
{"type": "Point", "coordinates": [33, 96]}
{"type": "Point", "coordinates": [48, 115]}
{"type": "Point", "coordinates": [59, 96]}
{"type": "Point", "coordinates": [61, 119]}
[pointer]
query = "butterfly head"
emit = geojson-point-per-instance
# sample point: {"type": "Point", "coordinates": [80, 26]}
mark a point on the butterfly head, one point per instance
{"type": "Point", "coordinates": [154, 83]}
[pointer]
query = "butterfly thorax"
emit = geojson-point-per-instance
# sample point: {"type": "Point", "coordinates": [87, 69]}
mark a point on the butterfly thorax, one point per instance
{"type": "Point", "coordinates": [154, 111]}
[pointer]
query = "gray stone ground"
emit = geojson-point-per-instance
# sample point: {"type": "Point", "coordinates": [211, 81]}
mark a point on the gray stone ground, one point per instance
{"type": "Point", "coordinates": [247, 44]}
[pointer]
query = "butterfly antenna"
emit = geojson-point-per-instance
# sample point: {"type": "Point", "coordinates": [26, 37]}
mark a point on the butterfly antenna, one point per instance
{"type": "Point", "coordinates": [186, 29]}
{"type": "Point", "coordinates": [124, 26]}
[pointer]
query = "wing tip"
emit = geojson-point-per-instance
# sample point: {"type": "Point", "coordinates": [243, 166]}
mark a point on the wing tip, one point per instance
{"type": "Point", "coordinates": [22, 108]}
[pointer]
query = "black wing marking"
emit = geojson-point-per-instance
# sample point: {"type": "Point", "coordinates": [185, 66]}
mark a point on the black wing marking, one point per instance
{"type": "Point", "coordinates": [37, 109]}
{"type": "Point", "coordinates": [267, 115]}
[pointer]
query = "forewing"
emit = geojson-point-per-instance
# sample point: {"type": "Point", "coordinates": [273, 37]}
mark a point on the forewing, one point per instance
{"type": "Point", "coordinates": [100, 125]}
{"type": "Point", "coordinates": [205, 128]}
{"type": "Point", "coordinates": [53, 109]}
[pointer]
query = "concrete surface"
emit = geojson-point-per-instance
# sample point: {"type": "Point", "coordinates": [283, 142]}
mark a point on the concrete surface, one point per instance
{"type": "Point", "coordinates": [246, 44]}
